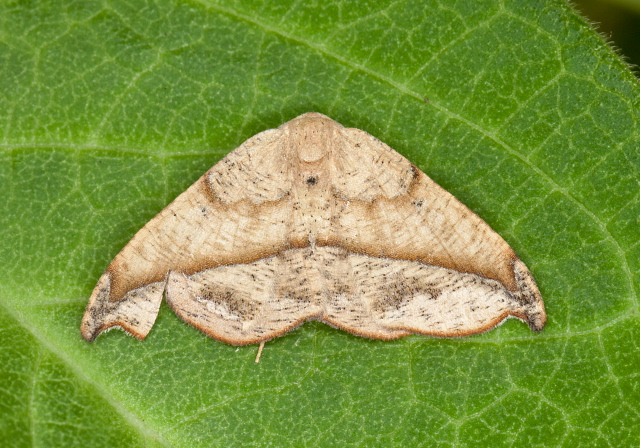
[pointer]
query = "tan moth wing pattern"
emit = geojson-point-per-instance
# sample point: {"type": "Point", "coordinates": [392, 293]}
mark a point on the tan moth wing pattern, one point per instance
{"type": "Point", "coordinates": [315, 221]}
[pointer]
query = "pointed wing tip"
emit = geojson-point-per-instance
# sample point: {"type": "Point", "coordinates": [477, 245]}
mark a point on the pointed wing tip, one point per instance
{"type": "Point", "coordinates": [90, 329]}
{"type": "Point", "coordinates": [92, 324]}
{"type": "Point", "coordinates": [529, 297]}
{"type": "Point", "coordinates": [103, 314]}
{"type": "Point", "coordinates": [537, 322]}
{"type": "Point", "coordinates": [87, 334]}
{"type": "Point", "coordinates": [90, 334]}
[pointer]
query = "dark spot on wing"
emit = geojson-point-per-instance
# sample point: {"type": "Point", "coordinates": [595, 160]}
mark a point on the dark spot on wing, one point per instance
{"type": "Point", "coordinates": [232, 300]}
{"type": "Point", "coordinates": [400, 289]}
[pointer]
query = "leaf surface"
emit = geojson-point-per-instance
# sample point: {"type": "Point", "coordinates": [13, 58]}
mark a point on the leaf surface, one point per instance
{"type": "Point", "coordinates": [108, 110]}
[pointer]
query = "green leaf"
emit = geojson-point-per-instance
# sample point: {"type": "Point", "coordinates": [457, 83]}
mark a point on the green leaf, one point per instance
{"type": "Point", "coordinates": [108, 110]}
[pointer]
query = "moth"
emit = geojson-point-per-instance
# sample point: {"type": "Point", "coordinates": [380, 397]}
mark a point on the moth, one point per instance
{"type": "Point", "coordinates": [314, 221]}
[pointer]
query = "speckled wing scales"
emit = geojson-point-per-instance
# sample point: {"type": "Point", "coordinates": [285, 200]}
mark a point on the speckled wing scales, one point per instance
{"type": "Point", "coordinates": [220, 219]}
{"type": "Point", "coordinates": [315, 221]}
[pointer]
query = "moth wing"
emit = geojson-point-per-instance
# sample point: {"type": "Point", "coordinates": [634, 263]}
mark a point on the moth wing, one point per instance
{"type": "Point", "coordinates": [210, 224]}
{"type": "Point", "coordinates": [409, 217]}
{"type": "Point", "coordinates": [248, 303]}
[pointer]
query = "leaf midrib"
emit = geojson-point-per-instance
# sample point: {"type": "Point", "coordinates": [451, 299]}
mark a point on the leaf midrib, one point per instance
{"type": "Point", "coordinates": [145, 431]}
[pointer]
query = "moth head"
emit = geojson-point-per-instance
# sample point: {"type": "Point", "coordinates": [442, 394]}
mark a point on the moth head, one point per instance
{"type": "Point", "coordinates": [309, 136]}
